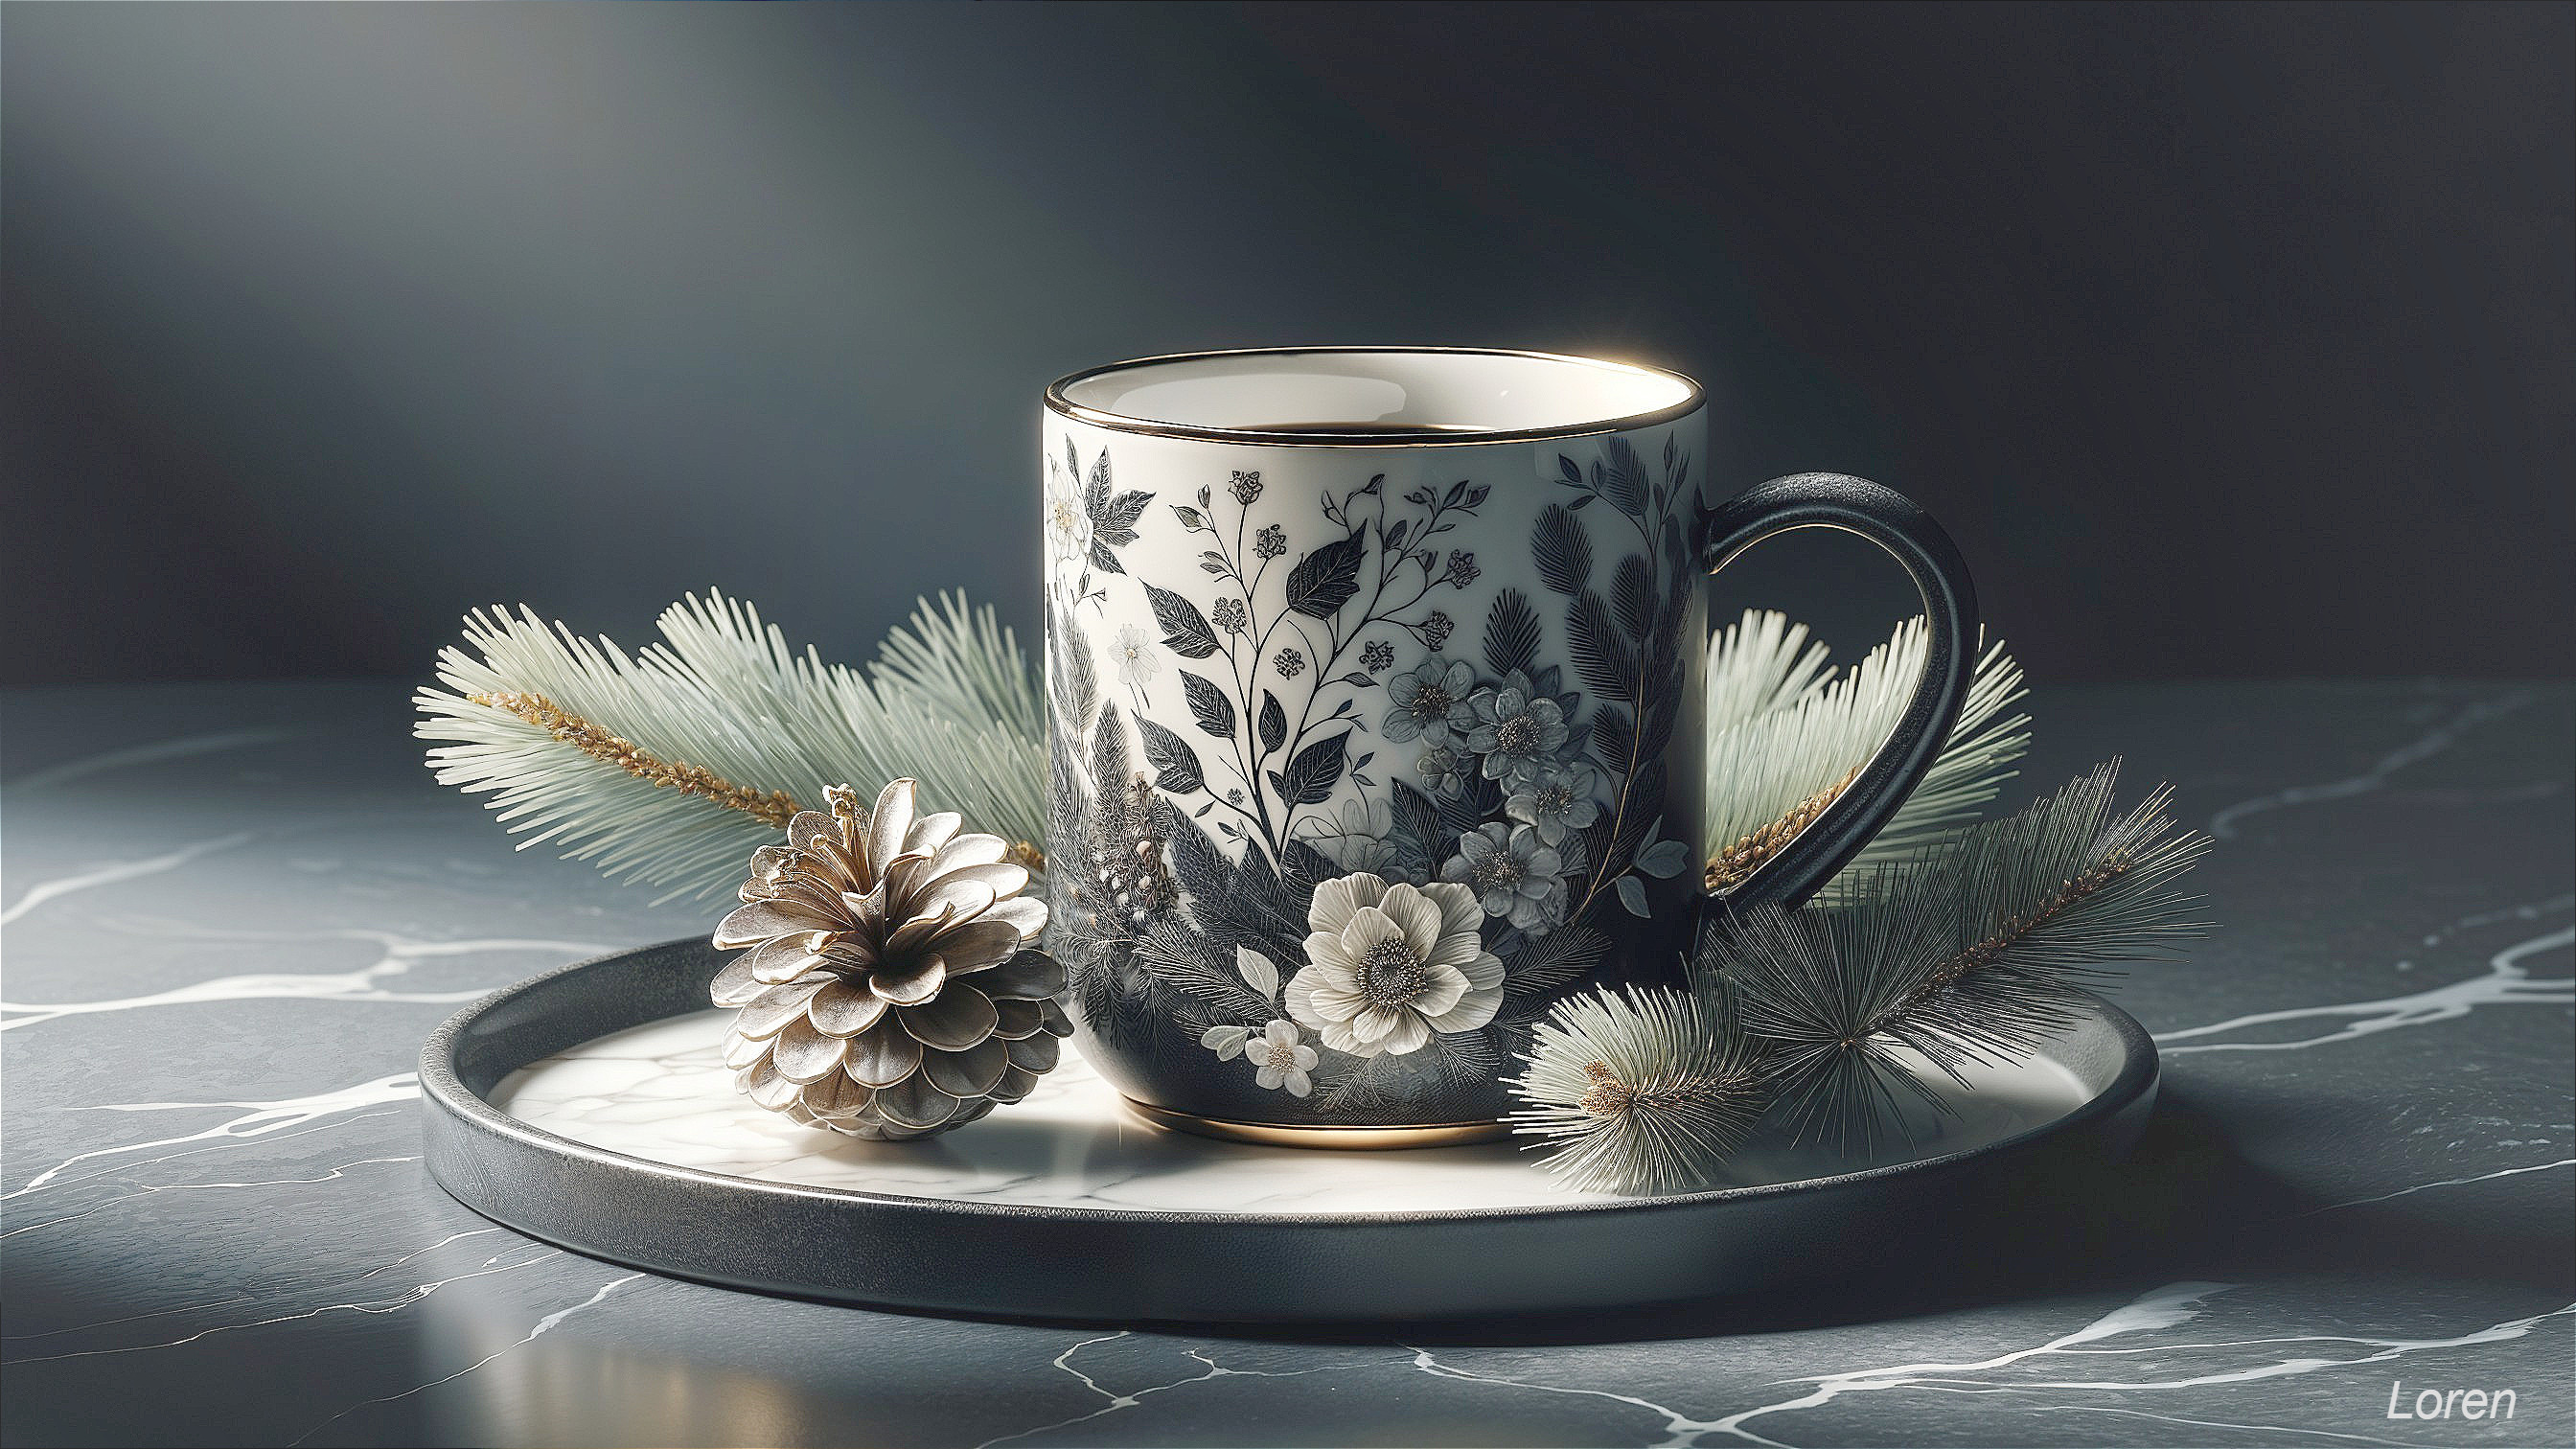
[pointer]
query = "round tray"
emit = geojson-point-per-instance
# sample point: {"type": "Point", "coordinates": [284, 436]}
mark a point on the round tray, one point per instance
{"type": "Point", "coordinates": [587, 1107]}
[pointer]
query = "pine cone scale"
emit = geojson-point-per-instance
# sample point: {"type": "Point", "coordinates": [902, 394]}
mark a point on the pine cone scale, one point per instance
{"type": "Point", "coordinates": [978, 945]}
{"type": "Point", "coordinates": [957, 1019]}
{"type": "Point", "coordinates": [802, 1054]}
{"type": "Point", "coordinates": [852, 1014]}
{"type": "Point", "coordinates": [843, 1010]}
{"type": "Point", "coordinates": [771, 1010]}
{"type": "Point", "coordinates": [916, 1104]}
{"type": "Point", "coordinates": [969, 1073]}
{"type": "Point", "coordinates": [911, 984]}
{"type": "Point", "coordinates": [1026, 976]}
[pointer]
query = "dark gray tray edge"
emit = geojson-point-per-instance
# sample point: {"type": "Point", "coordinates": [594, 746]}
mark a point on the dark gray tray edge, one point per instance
{"type": "Point", "coordinates": [1023, 1260]}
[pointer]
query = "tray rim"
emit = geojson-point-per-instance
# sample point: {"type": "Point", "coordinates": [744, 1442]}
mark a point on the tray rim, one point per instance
{"type": "Point", "coordinates": [443, 1090]}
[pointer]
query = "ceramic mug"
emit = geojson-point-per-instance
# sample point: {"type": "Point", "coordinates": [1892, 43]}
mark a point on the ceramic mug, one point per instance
{"type": "Point", "coordinates": [1376, 683]}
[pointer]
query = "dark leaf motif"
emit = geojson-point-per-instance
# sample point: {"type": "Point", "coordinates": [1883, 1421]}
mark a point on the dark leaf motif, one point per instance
{"type": "Point", "coordinates": [1551, 961]}
{"type": "Point", "coordinates": [1580, 504]}
{"type": "Point", "coordinates": [1274, 723]}
{"type": "Point", "coordinates": [1596, 838]}
{"type": "Point", "coordinates": [1201, 869]}
{"type": "Point", "coordinates": [1563, 550]}
{"type": "Point", "coordinates": [1632, 894]}
{"type": "Point", "coordinates": [1121, 515]}
{"type": "Point", "coordinates": [1190, 518]}
{"type": "Point", "coordinates": [1095, 490]}
{"type": "Point", "coordinates": [1461, 1059]}
{"type": "Point", "coordinates": [1664, 859]}
{"type": "Point", "coordinates": [1640, 790]}
{"type": "Point", "coordinates": [1572, 475]}
{"type": "Point", "coordinates": [1213, 708]}
{"type": "Point", "coordinates": [1102, 559]}
{"type": "Point", "coordinates": [1511, 633]}
{"type": "Point", "coordinates": [1479, 801]}
{"type": "Point", "coordinates": [1476, 497]}
{"type": "Point", "coordinates": [1676, 554]}
{"type": "Point", "coordinates": [1614, 736]}
{"type": "Point", "coordinates": [1176, 765]}
{"type": "Point", "coordinates": [1312, 772]}
{"type": "Point", "coordinates": [1416, 819]}
{"type": "Point", "coordinates": [1303, 866]}
{"type": "Point", "coordinates": [1632, 597]}
{"type": "Point", "coordinates": [1182, 959]}
{"type": "Point", "coordinates": [1324, 580]}
{"type": "Point", "coordinates": [1601, 657]}
{"type": "Point", "coordinates": [1621, 477]}
{"type": "Point", "coordinates": [1356, 680]}
{"type": "Point", "coordinates": [1109, 752]}
{"type": "Point", "coordinates": [1185, 629]}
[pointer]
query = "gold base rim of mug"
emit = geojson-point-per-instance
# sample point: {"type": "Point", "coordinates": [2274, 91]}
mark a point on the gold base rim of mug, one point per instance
{"type": "Point", "coordinates": [1347, 1139]}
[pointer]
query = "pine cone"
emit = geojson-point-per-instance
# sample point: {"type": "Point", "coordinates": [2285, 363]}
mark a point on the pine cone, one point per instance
{"type": "Point", "coordinates": [890, 990]}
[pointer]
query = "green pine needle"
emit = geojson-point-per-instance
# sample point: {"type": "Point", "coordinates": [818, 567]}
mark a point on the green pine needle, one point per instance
{"type": "Point", "coordinates": [1635, 1091]}
{"type": "Point", "coordinates": [1784, 726]}
{"type": "Point", "coordinates": [951, 702]}
{"type": "Point", "coordinates": [1973, 949]}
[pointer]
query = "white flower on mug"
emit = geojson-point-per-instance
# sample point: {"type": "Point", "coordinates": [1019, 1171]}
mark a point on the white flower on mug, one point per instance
{"type": "Point", "coordinates": [1388, 965]}
{"type": "Point", "coordinates": [1134, 650]}
{"type": "Point", "coordinates": [1068, 523]}
{"type": "Point", "coordinates": [1278, 1056]}
{"type": "Point", "coordinates": [1281, 1059]}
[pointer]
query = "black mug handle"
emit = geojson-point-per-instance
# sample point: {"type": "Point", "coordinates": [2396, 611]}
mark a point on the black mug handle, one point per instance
{"type": "Point", "coordinates": [1892, 521]}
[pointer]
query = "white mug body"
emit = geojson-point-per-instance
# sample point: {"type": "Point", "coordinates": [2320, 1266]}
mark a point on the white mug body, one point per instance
{"type": "Point", "coordinates": [1375, 680]}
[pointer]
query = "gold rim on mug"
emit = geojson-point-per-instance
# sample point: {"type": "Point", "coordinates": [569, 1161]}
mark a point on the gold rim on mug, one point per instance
{"type": "Point", "coordinates": [1364, 1139]}
{"type": "Point", "coordinates": [1057, 402]}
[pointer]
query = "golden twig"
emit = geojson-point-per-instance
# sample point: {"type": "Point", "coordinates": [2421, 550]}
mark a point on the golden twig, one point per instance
{"type": "Point", "coordinates": [1958, 968]}
{"type": "Point", "coordinates": [1610, 1097]}
{"type": "Point", "coordinates": [773, 807]}
{"type": "Point", "coordinates": [1734, 864]}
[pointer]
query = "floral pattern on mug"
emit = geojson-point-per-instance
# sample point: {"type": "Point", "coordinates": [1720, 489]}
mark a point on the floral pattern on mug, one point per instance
{"type": "Point", "coordinates": [1236, 798]}
{"type": "Point", "coordinates": [1388, 965]}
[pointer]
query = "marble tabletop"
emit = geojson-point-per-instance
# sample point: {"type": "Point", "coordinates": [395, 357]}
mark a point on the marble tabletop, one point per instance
{"type": "Point", "coordinates": [229, 913]}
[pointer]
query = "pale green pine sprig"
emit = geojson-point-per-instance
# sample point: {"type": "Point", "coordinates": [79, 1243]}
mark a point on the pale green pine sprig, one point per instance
{"type": "Point", "coordinates": [621, 757]}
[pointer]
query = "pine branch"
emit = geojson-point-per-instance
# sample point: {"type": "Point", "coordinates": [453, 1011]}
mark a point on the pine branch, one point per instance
{"type": "Point", "coordinates": [1639, 1090]}
{"type": "Point", "coordinates": [1977, 951]}
{"type": "Point", "coordinates": [1787, 732]}
{"type": "Point", "coordinates": [773, 808]}
{"type": "Point", "coordinates": [1973, 950]}
{"type": "Point", "coordinates": [952, 703]}
{"type": "Point", "coordinates": [1733, 865]}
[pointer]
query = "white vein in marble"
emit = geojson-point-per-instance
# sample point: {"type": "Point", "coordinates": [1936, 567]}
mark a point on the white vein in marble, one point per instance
{"type": "Point", "coordinates": [661, 1093]}
{"type": "Point", "coordinates": [543, 1326]}
{"type": "Point", "coordinates": [112, 872]}
{"type": "Point", "coordinates": [399, 955]}
{"type": "Point", "coordinates": [158, 752]}
{"type": "Point", "coordinates": [263, 1119]}
{"type": "Point", "coordinates": [2441, 738]}
{"type": "Point", "coordinates": [2506, 982]}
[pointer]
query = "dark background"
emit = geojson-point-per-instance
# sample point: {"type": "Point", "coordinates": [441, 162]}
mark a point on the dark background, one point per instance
{"type": "Point", "coordinates": [2229, 340]}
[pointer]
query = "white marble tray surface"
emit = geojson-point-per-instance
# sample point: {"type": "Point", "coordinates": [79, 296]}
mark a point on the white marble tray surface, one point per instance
{"type": "Point", "coordinates": [658, 1092]}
